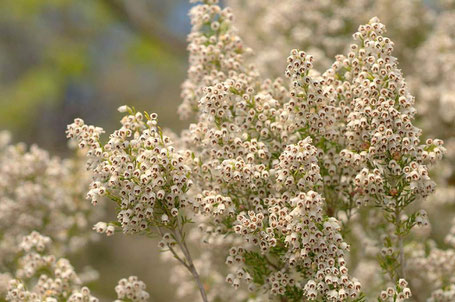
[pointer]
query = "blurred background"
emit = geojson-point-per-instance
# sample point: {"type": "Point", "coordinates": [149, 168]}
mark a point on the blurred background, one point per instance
{"type": "Point", "coordinates": [61, 59]}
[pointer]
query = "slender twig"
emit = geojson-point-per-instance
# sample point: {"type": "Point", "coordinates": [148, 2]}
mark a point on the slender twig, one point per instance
{"type": "Point", "coordinates": [402, 258]}
{"type": "Point", "coordinates": [271, 263]}
{"type": "Point", "coordinates": [178, 235]}
{"type": "Point", "coordinates": [400, 242]}
{"type": "Point", "coordinates": [176, 256]}
{"type": "Point", "coordinates": [181, 242]}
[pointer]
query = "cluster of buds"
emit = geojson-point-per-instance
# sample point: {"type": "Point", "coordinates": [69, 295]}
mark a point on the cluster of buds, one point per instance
{"type": "Point", "coordinates": [104, 228]}
{"type": "Point", "coordinates": [313, 243]}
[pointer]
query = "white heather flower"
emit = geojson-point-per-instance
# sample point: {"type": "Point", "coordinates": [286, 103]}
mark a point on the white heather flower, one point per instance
{"type": "Point", "coordinates": [100, 227]}
{"type": "Point", "coordinates": [123, 109]}
{"type": "Point", "coordinates": [110, 230]}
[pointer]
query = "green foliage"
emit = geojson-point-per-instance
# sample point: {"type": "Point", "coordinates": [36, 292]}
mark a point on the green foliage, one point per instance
{"type": "Point", "coordinates": [293, 293]}
{"type": "Point", "coordinates": [257, 266]}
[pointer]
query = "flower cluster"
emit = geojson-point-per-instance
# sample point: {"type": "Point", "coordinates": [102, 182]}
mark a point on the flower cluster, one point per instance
{"type": "Point", "coordinates": [359, 114]}
{"type": "Point", "coordinates": [42, 193]}
{"type": "Point", "coordinates": [274, 171]}
{"type": "Point", "coordinates": [215, 52]}
{"type": "Point", "coordinates": [43, 277]}
{"type": "Point", "coordinates": [139, 169]}
{"type": "Point", "coordinates": [400, 293]}
{"type": "Point", "coordinates": [131, 289]}
{"type": "Point", "coordinates": [59, 282]}
{"type": "Point", "coordinates": [307, 187]}
{"type": "Point", "coordinates": [379, 123]}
